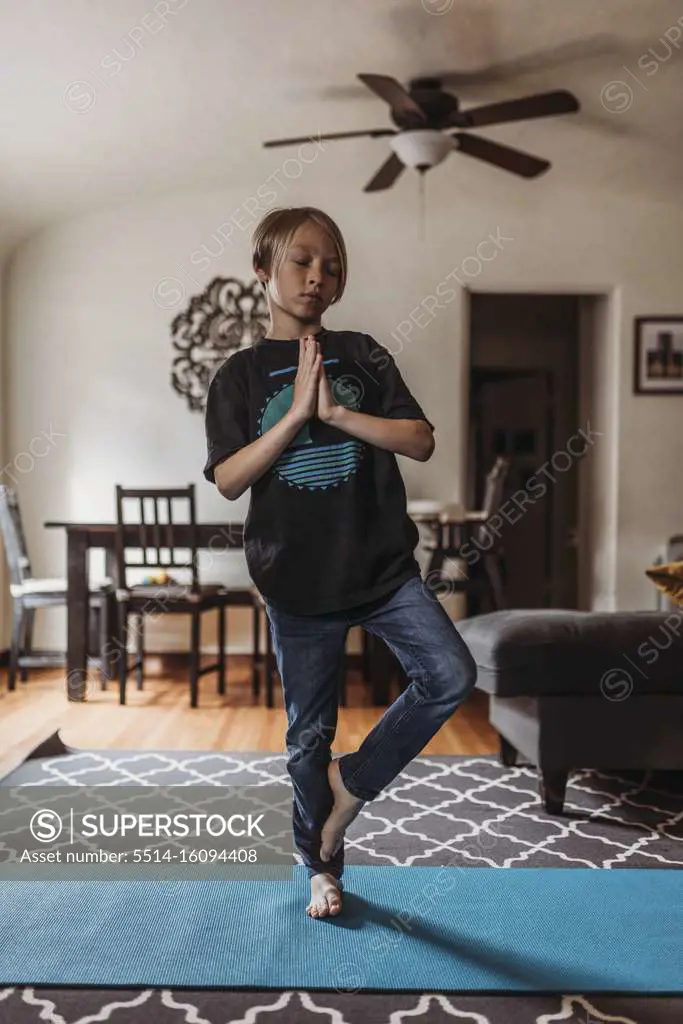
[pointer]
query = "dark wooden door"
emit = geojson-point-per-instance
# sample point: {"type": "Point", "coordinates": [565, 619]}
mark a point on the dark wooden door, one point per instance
{"type": "Point", "coordinates": [515, 423]}
{"type": "Point", "coordinates": [524, 386]}
{"type": "Point", "coordinates": [515, 415]}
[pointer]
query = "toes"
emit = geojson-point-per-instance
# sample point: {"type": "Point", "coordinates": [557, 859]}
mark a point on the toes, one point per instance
{"type": "Point", "coordinates": [334, 904]}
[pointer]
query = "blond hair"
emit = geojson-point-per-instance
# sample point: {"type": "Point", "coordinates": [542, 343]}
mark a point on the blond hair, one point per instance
{"type": "Point", "coordinates": [275, 231]}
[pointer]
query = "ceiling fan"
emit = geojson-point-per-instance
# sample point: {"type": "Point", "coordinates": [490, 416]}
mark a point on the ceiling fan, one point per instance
{"type": "Point", "coordinates": [422, 112]}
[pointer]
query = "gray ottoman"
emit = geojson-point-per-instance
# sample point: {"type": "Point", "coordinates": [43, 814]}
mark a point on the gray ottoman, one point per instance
{"type": "Point", "coordinates": [572, 690]}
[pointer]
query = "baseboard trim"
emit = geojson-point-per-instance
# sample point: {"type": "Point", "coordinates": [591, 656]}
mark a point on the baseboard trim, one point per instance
{"type": "Point", "coordinates": [353, 659]}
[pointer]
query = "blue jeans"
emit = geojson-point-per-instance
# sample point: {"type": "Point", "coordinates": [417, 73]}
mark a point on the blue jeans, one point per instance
{"type": "Point", "coordinates": [310, 653]}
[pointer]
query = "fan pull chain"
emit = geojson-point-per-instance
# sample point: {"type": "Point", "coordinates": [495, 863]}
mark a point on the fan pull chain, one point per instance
{"type": "Point", "coordinates": [421, 205]}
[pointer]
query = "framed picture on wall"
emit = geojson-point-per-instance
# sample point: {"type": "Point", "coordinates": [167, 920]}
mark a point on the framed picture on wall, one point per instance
{"type": "Point", "coordinates": [658, 355]}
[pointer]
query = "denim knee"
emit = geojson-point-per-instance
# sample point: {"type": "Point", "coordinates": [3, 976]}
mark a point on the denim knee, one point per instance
{"type": "Point", "coordinates": [452, 677]}
{"type": "Point", "coordinates": [302, 747]}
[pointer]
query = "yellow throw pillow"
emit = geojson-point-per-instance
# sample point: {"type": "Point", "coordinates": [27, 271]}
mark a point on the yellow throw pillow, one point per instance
{"type": "Point", "coordinates": [669, 579]}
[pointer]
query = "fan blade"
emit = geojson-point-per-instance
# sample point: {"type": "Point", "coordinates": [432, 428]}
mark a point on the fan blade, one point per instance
{"type": "Point", "coordinates": [571, 52]}
{"type": "Point", "coordinates": [389, 89]}
{"type": "Point", "coordinates": [386, 175]}
{"type": "Point", "coordinates": [509, 159]}
{"type": "Point", "coordinates": [373, 132]}
{"type": "Point", "coordinates": [543, 104]}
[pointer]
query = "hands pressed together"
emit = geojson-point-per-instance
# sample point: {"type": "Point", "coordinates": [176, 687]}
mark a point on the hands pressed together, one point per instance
{"type": "Point", "coordinates": [312, 393]}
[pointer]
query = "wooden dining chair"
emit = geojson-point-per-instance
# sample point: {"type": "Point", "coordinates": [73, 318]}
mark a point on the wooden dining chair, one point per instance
{"type": "Point", "coordinates": [29, 593]}
{"type": "Point", "coordinates": [155, 542]}
{"type": "Point", "coordinates": [485, 575]}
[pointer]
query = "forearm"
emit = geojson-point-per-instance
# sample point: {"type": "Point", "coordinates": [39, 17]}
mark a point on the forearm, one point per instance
{"type": "Point", "coordinates": [241, 470]}
{"type": "Point", "coordinates": [412, 438]}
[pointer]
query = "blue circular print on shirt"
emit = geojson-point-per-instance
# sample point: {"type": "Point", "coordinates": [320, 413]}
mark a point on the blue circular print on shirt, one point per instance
{"type": "Point", "coordinates": [314, 464]}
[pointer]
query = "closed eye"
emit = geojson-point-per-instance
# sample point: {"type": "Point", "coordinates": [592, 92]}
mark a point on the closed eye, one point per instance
{"type": "Point", "coordinates": [334, 271]}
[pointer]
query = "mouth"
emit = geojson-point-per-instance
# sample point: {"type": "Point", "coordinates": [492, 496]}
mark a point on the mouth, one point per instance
{"type": "Point", "coordinates": [312, 298]}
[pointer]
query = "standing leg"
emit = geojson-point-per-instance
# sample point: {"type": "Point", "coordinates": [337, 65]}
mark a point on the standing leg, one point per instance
{"type": "Point", "coordinates": [442, 674]}
{"type": "Point", "coordinates": [310, 657]}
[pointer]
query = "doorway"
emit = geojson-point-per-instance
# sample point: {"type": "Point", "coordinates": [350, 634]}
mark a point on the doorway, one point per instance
{"type": "Point", "coordinates": [524, 405]}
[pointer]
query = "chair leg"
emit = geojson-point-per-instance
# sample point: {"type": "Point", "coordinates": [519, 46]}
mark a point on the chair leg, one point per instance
{"type": "Point", "coordinates": [194, 660]}
{"type": "Point", "coordinates": [269, 666]}
{"type": "Point", "coordinates": [123, 652]}
{"type": "Point", "coordinates": [495, 581]}
{"type": "Point", "coordinates": [104, 630]}
{"type": "Point", "coordinates": [27, 643]}
{"type": "Point", "coordinates": [15, 647]}
{"type": "Point", "coordinates": [222, 611]}
{"type": "Point", "coordinates": [140, 649]}
{"type": "Point", "coordinates": [256, 647]}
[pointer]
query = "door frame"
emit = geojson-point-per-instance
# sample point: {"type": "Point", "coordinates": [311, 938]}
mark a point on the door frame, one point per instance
{"type": "Point", "coordinates": [600, 310]}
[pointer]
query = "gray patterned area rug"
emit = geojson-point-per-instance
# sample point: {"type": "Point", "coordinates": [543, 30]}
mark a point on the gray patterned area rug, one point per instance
{"type": "Point", "coordinates": [464, 811]}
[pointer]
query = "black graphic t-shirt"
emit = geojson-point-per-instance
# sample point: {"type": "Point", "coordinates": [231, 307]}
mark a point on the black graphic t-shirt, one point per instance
{"type": "Point", "coordinates": [327, 527]}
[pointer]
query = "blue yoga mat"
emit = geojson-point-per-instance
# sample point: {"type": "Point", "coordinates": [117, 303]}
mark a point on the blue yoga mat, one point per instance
{"type": "Point", "coordinates": [403, 929]}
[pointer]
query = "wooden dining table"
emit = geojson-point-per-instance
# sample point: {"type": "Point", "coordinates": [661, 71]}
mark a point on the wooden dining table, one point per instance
{"type": "Point", "coordinates": [215, 537]}
{"type": "Point", "coordinates": [81, 538]}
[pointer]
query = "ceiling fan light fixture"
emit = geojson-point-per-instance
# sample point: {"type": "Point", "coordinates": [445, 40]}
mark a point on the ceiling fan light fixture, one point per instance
{"type": "Point", "coordinates": [421, 147]}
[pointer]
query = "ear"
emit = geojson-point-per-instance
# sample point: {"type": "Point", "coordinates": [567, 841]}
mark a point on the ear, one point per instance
{"type": "Point", "coordinates": [261, 275]}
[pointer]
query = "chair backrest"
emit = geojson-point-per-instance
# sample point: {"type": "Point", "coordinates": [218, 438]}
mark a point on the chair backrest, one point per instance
{"type": "Point", "coordinates": [495, 483]}
{"type": "Point", "coordinates": [155, 531]}
{"type": "Point", "coordinates": [451, 535]}
{"type": "Point", "coordinates": [13, 537]}
{"type": "Point", "coordinates": [494, 487]}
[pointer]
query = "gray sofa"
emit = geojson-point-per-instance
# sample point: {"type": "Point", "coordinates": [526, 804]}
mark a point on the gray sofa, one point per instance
{"type": "Point", "coordinates": [573, 690]}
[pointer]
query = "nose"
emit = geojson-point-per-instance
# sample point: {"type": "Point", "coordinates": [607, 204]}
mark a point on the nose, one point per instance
{"type": "Point", "coordinates": [314, 276]}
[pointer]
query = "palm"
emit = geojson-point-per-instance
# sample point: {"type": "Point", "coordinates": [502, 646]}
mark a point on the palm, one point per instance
{"type": "Point", "coordinates": [325, 400]}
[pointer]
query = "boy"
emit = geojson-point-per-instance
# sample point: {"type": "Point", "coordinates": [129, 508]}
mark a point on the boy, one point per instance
{"type": "Point", "coordinates": [311, 420]}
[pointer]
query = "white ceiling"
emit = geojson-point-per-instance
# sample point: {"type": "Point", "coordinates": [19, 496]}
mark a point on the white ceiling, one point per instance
{"type": "Point", "coordinates": [203, 88]}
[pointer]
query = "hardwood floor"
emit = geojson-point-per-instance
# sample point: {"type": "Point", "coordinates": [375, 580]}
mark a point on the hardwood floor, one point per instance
{"type": "Point", "coordinates": [159, 716]}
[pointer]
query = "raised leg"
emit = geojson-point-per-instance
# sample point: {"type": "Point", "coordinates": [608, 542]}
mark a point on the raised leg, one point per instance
{"type": "Point", "coordinates": [442, 674]}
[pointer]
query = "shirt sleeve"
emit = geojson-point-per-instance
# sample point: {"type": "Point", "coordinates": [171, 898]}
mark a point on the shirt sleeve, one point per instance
{"type": "Point", "coordinates": [397, 402]}
{"type": "Point", "coordinates": [226, 417]}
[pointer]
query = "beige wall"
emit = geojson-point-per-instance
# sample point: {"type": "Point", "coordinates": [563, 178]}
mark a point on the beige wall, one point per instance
{"type": "Point", "coordinates": [88, 355]}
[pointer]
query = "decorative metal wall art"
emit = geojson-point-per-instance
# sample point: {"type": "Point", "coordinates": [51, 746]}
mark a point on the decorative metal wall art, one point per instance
{"type": "Point", "coordinates": [227, 316]}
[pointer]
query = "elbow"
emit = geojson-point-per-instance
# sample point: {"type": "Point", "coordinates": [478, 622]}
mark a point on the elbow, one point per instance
{"type": "Point", "coordinates": [229, 493]}
{"type": "Point", "coordinates": [226, 487]}
{"type": "Point", "coordinates": [427, 445]}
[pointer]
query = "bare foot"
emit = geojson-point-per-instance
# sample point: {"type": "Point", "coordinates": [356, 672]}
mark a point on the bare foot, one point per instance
{"type": "Point", "coordinates": [325, 896]}
{"type": "Point", "coordinates": [344, 810]}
